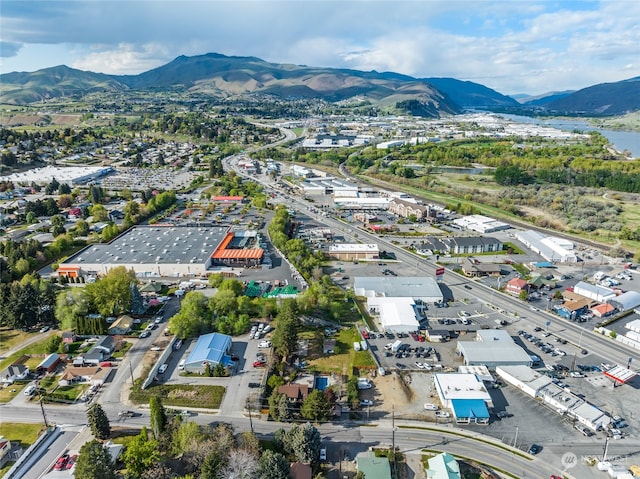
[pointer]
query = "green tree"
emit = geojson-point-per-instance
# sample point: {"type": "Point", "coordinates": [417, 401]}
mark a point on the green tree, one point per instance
{"type": "Point", "coordinates": [111, 295]}
{"type": "Point", "coordinates": [193, 316]}
{"type": "Point", "coordinates": [53, 343]}
{"type": "Point", "coordinates": [316, 407]}
{"type": "Point", "coordinates": [186, 434]}
{"type": "Point", "coordinates": [94, 462]}
{"type": "Point", "coordinates": [303, 441]}
{"type": "Point", "coordinates": [158, 416]}
{"type": "Point", "coordinates": [140, 454]}
{"type": "Point", "coordinates": [274, 465]}
{"type": "Point", "coordinates": [279, 407]}
{"type": "Point", "coordinates": [98, 422]}
{"type": "Point", "coordinates": [524, 295]}
{"type": "Point", "coordinates": [99, 213]}
{"type": "Point", "coordinates": [285, 336]}
{"type": "Point", "coordinates": [212, 465]}
{"type": "Point", "coordinates": [71, 304]}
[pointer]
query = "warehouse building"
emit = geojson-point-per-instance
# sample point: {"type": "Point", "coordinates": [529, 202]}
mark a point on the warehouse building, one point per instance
{"type": "Point", "coordinates": [212, 349]}
{"type": "Point", "coordinates": [551, 248]}
{"type": "Point", "coordinates": [423, 288]}
{"type": "Point", "coordinates": [626, 301]}
{"type": "Point", "coordinates": [492, 348]}
{"type": "Point", "coordinates": [152, 251]}
{"type": "Point", "coordinates": [71, 175]}
{"type": "Point", "coordinates": [594, 292]}
{"type": "Point", "coordinates": [481, 224]}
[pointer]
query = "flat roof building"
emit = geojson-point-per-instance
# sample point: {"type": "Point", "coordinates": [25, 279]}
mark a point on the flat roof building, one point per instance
{"type": "Point", "coordinates": [465, 395]}
{"type": "Point", "coordinates": [397, 315]}
{"type": "Point", "coordinates": [595, 292]}
{"type": "Point", "coordinates": [550, 248]}
{"type": "Point", "coordinates": [481, 224]}
{"type": "Point", "coordinates": [492, 348]}
{"type": "Point", "coordinates": [71, 175]}
{"type": "Point", "coordinates": [424, 288]}
{"type": "Point", "coordinates": [351, 251]}
{"type": "Point", "coordinates": [153, 251]}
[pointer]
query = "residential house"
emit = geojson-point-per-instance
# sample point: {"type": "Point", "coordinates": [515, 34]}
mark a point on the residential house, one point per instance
{"type": "Point", "coordinates": [573, 309]}
{"type": "Point", "coordinates": [443, 466]}
{"type": "Point", "coordinates": [516, 285]}
{"type": "Point", "coordinates": [69, 337]}
{"type": "Point", "coordinates": [122, 325]}
{"type": "Point", "coordinates": [296, 393]}
{"type": "Point", "coordinates": [300, 470]}
{"type": "Point", "coordinates": [13, 373]}
{"type": "Point", "coordinates": [373, 467]}
{"type": "Point", "coordinates": [100, 351]}
{"type": "Point", "coordinates": [93, 374]}
{"type": "Point", "coordinates": [603, 310]}
{"type": "Point", "coordinates": [5, 451]}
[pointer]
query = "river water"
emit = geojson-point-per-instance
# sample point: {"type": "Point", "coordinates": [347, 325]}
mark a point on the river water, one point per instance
{"type": "Point", "coordinates": [621, 140]}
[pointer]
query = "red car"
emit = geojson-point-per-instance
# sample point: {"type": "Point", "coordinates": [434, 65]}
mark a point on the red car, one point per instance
{"type": "Point", "coordinates": [61, 462]}
{"type": "Point", "coordinates": [71, 462]}
{"type": "Point", "coordinates": [365, 335]}
{"type": "Point", "coordinates": [259, 364]}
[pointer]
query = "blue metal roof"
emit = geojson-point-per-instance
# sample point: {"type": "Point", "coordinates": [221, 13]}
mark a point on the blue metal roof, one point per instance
{"type": "Point", "coordinates": [473, 408]}
{"type": "Point", "coordinates": [211, 348]}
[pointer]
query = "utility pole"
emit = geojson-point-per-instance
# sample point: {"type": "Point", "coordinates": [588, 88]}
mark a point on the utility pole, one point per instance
{"type": "Point", "coordinates": [250, 417]}
{"type": "Point", "coordinates": [44, 416]}
{"type": "Point", "coordinates": [393, 438]}
{"type": "Point", "coordinates": [131, 372]}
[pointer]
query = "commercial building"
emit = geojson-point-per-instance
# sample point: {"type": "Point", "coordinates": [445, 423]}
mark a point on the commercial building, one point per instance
{"type": "Point", "coordinates": [152, 251]}
{"type": "Point", "coordinates": [212, 349]}
{"type": "Point", "coordinates": [626, 301]}
{"type": "Point", "coordinates": [353, 251]}
{"type": "Point", "coordinates": [492, 348]}
{"type": "Point", "coordinates": [465, 395]}
{"type": "Point", "coordinates": [71, 175]}
{"type": "Point", "coordinates": [537, 386]}
{"type": "Point", "coordinates": [361, 203]}
{"type": "Point", "coordinates": [594, 292]}
{"type": "Point", "coordinates": [397, 315]}
{"type": "Point", "coordinates": [405, 209]}
{"type": "Point", "coordinates": [481, 224]}
{"type": "Point", "coordinates": [423, 288]}
{"type": "Point", "coordinates": [551, 248]}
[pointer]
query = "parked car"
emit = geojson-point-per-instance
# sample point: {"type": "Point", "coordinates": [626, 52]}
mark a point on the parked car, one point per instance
{"type": "Point", "coordinates": [145, 334]}
{"type": "Point", "coordinates": [430, 407]}
{"type": "Point", "coordinates": [126, 414]}
{"type": "Point", "coordinates": [259, 363]}
{"type": "Point", "coordinates": [61, 462]}
{"type": "Point", "coordinates": [71, 462]}
{"type": "Point", "coordinates": [366, 402]}
{"type": "Point", "coordinates": [323, 454]}
{"type": "Point", "coordinates": [535, 449]}
{"type": "Point", "coordinates": [44, 329]}
{"type": "Point", "coordinates": [443, 414]}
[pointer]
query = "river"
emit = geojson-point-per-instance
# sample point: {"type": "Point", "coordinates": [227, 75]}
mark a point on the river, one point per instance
{"type": "Point", "coordinates": [621, 140]}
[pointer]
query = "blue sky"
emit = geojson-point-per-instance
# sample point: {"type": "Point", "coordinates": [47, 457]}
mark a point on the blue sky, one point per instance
{"type": "Point", "coordinates": [513, 46]}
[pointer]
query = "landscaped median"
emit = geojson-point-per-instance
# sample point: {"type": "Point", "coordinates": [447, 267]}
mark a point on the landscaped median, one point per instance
{"type": "Point", "coordinates": [181, 395]}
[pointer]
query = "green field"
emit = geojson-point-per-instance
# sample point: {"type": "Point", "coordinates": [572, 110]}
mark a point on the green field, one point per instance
{"type": "Point", "coordinates": [181, 395]}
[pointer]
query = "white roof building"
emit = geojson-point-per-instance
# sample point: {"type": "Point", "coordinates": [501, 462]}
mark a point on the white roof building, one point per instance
{"type": "Point", "coordinates": [594, 292]}
{"type": "Point", "coordinates": [397, 315]}
{"type": "Point", "coordinates": [493, 348]}
{"type": "Point", "coordinates": [424, 288]}
{"type": "Point", "coordinates": [71, 175]}
{"type": "Point", "coordinates": [355, 203]}
{"type": "Point", "coordinates": [626, 301]}
{"type": "Point", "coordinates": [560, 399]}
{"type": "Point", "coordinates": [481, 224]}
{"type": "Point", "coordinates": [550, 248]}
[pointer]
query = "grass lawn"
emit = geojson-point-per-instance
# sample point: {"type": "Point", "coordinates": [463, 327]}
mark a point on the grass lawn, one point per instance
{"type": "Point", "coordinates": [345, 357]}
{"type": "Point", "coordinates": [25, 434]}
{"type": "Point", "coordinates": [9, 338]}
{"type": "Point", "coordinates": [70, 393]}
{"type": "Point", "coordinates": [181, 395]}
{"type": "Point", "coordinates": [35, 348]}
{"type": "Point", "coordinates": [126, 345]}
{"type": "Point", "coordinates": [8, 393]}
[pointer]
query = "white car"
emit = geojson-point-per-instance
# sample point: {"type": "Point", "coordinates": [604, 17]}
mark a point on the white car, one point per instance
{"type": "Point", "coordinates": [443, 414]}
{"type": "Point", "coordinates": [366, 402]}
{"type": "Point", "coordinates": [264, 344]}
{"type": "Point", "coordinates": [430, 407]}
{"type": "Point", "coordinates": [323, 454]}
{"type": "Point", "coordinates": [419, 365]}
{"type": "Point", "coordinates": [163, 368]}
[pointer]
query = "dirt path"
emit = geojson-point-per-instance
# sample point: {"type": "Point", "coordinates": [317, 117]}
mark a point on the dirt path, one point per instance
{"type": "Point", "coordinates": [34, 339]}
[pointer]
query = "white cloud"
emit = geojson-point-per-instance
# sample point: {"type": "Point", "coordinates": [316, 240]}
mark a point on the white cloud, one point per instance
{"type": "Point", "coordinates": [124, 59]}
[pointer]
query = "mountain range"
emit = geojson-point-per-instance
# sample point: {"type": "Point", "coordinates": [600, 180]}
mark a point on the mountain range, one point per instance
{"type": "Point", "coordinates": [221, 76]}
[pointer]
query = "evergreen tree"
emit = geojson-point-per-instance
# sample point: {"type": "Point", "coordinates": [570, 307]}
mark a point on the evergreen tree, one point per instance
{"type": "Point", "coordinates": [274, 465]}
{"type": "Point", "coordinates": [316, 407]}
{"type": "Point", "coordinates": [137, 302]}
{"type": "Point", "coordinates": [94, 462]}
{"type": "Point", "coordinates": [98, 421]}
{"type": "Point", "coordinates": [158, 416]}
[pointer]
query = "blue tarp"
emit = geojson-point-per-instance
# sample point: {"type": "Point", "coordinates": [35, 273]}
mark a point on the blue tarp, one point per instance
{"type": "Point", "coordinates": [470, 408]}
